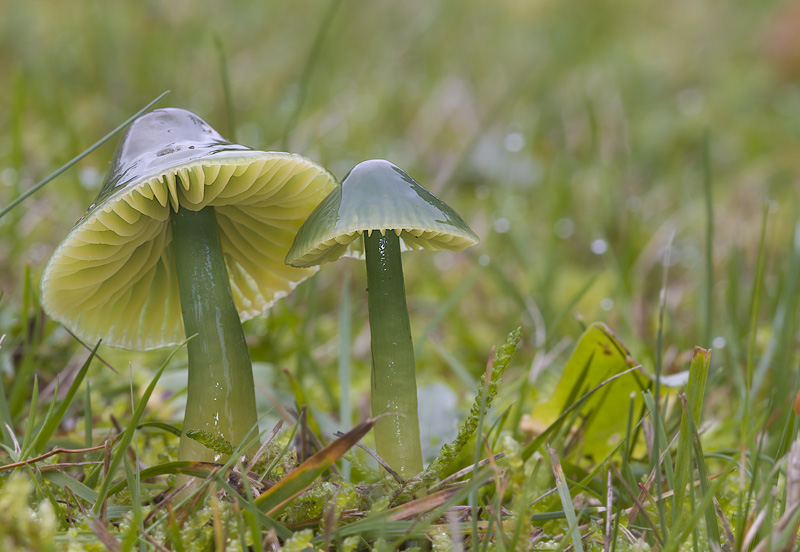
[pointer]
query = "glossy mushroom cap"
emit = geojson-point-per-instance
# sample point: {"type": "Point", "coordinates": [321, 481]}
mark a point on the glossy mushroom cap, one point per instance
{"type": "Point", "coordinates": [113, 276]}
{"type": "Point", "coordinates": [377, 196]}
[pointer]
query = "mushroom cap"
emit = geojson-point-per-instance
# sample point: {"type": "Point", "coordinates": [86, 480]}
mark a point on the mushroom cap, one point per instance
{"type": "Point", "coordinates": [377, 196]}
{"type": "Point", "coordinates": [113, 277]}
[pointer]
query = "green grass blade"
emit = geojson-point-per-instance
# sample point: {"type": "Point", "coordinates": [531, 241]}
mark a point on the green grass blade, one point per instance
{"type": "Point", "coordinates": [624, 471]}
{"type": "Point", "coordinates": [308, 69]}
{"type": "Point", "coordinates": [199, 470]}
{"type": "Point", "coordinates": [566, 501]}
{"type": "Point", "coordinates": [707, 501]}
{"type": "Point", "coordinates": [662, 518]}
{"type": "Point", "coordinates": [26, 451]}
{"type": "Point", "coordinates": [27, 365]}
{"type": "Point", "coordinates": [168, 428]}
{"type": "Point", "coordinates": [708, 303]}
{"type": "Point", "coordinates": [127, 435]}
{"type": "Point", "coordinates": [540, 439]}
{"type": "Point", "coordinates": [712, 530]}
{"type": "Point", "coordinates": [52, 422]}
{"type": "Point", "coordinates": [453, 363]}
{"type": "Point", "coordinates": [695, 390]}
{"type": "Point", "coordinates": [226, 88]}
{"type": "Point", "coordinates": [746, 427]}
{"type": "Point", "coordinates": [63, 479]}
{"type": "Point", "coordinates": [570, 306]}
{"type": "Point", "coordinates": [133, 479]}
{"type": "Point", "coordinates": [448, 304]}
{"type": "Point", "coordinates": [87, 415]}
{"type": "Point", "coordinates": [74, 160]}
{"type": "Point", "coordinates": [344, 368]}
{"type": "Point", "coordinates": [661, 432]}
{"type": "Point", "coordinates": [30, 425]}
{"type": "Point", "coordinates": [5, 417]}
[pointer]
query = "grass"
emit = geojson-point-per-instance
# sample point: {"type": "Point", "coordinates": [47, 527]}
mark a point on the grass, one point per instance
{"type": "Point", "coordinates": [574, 137]}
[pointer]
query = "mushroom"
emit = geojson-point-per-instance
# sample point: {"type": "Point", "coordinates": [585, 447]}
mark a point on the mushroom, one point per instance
{"type": "Point", "coordinates": [186, 237]}
{"type": "Point", "coordinates": [380, 203]}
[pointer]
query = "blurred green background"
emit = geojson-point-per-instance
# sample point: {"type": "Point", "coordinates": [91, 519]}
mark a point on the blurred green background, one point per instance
{"type": "Point", "coordinates": [570, 134]}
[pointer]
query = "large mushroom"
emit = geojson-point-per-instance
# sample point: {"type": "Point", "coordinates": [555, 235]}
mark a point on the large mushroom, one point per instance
{"type": "Point", "coordinates": [378, 211]}
{"type": "Point", "coordinates": [187, 236]}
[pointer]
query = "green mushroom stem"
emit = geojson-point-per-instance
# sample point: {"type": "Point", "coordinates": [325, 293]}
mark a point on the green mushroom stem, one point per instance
{"type": "Point", "coordinates": [394, 385]}
{"type": "Point", "coordinates": [221, 396]}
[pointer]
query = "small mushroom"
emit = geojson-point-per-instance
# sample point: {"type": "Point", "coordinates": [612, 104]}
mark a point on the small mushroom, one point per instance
{"type": "Point", "coordinates": [380, 203]}
{"type": "Point", "coordinates": [187, 236]}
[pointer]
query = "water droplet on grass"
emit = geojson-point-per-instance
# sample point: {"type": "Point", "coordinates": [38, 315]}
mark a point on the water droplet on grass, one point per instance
{"type": "Point", "coordinates": [599, 247]}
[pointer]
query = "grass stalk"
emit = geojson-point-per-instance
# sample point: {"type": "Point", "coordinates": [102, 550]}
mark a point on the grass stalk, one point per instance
{"type": "Point", "coordinates": [708, 298]}
{"type": "Point", "coordinates": [226, 88]}
{"type": "Point", "coordinates": [698, 374]}
{"type": "Point", "coordinates": [344, 368]}
{"type": "Point", "coordinates": [36, 187]}
{"type": "Point", "coordinates": [127, 435]}
{"type": "Point", "coordinates": [657, 387]}
{"type": "Point", "coordinates": [308, 69]}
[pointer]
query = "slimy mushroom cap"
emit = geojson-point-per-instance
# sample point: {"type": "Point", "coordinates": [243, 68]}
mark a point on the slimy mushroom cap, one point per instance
{"type": "Point", "coordinates": [113, 276]}
{"type": "Point", "coordinates": [377, 196]}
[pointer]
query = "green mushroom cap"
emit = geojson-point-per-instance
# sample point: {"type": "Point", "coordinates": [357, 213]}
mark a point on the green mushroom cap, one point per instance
{"type": "Point", "coordinates": [113, 277]}
{"type": "Point", "coordinates": [377, 196]}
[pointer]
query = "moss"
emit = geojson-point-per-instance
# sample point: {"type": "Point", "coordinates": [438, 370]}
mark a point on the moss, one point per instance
{"type": "Point", "coordinates": [23, 527]}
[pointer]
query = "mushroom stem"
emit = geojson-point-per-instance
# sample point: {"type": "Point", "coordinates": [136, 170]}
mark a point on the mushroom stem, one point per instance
{"type": "Point", "coordinates": [394, 384]}
{"type": "Point", "coordinates": [221, 396]}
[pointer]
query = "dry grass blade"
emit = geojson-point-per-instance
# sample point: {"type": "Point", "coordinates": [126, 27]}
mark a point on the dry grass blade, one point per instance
{"type": "Point", "coordinates": [456, 538]}
{"type": "Point", "coordinates": [752, 532]}
{"type": "Point", "coordinates": [65, 465]}
{"type": "Point", "coordinates": [421, 505]}
{"type": "Point", "coordinates": [149, 538]}
{"type": "Point", "coordinates": [461, 473]}
{"type": "Point", "coordinates": [263, 448]}
{"type": "Point", "coordinates": [793, 478]}
{"type": "Point", "coordinates": [780, 534]}
{"type": "Point", "coordinates": [71, 496]}
{"type": "Point", "coordinates": [726, 527]}
{"type": "Point", "coordinates": [792, 498]}
{"type": "Point", "coordinates": [104, 535]}
{"type": "Point", "coordinates": [276, 498]}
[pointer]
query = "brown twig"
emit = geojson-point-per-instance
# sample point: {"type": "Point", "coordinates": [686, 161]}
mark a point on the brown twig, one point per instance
{"type": "Point", "coordinates": [51, 453]}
